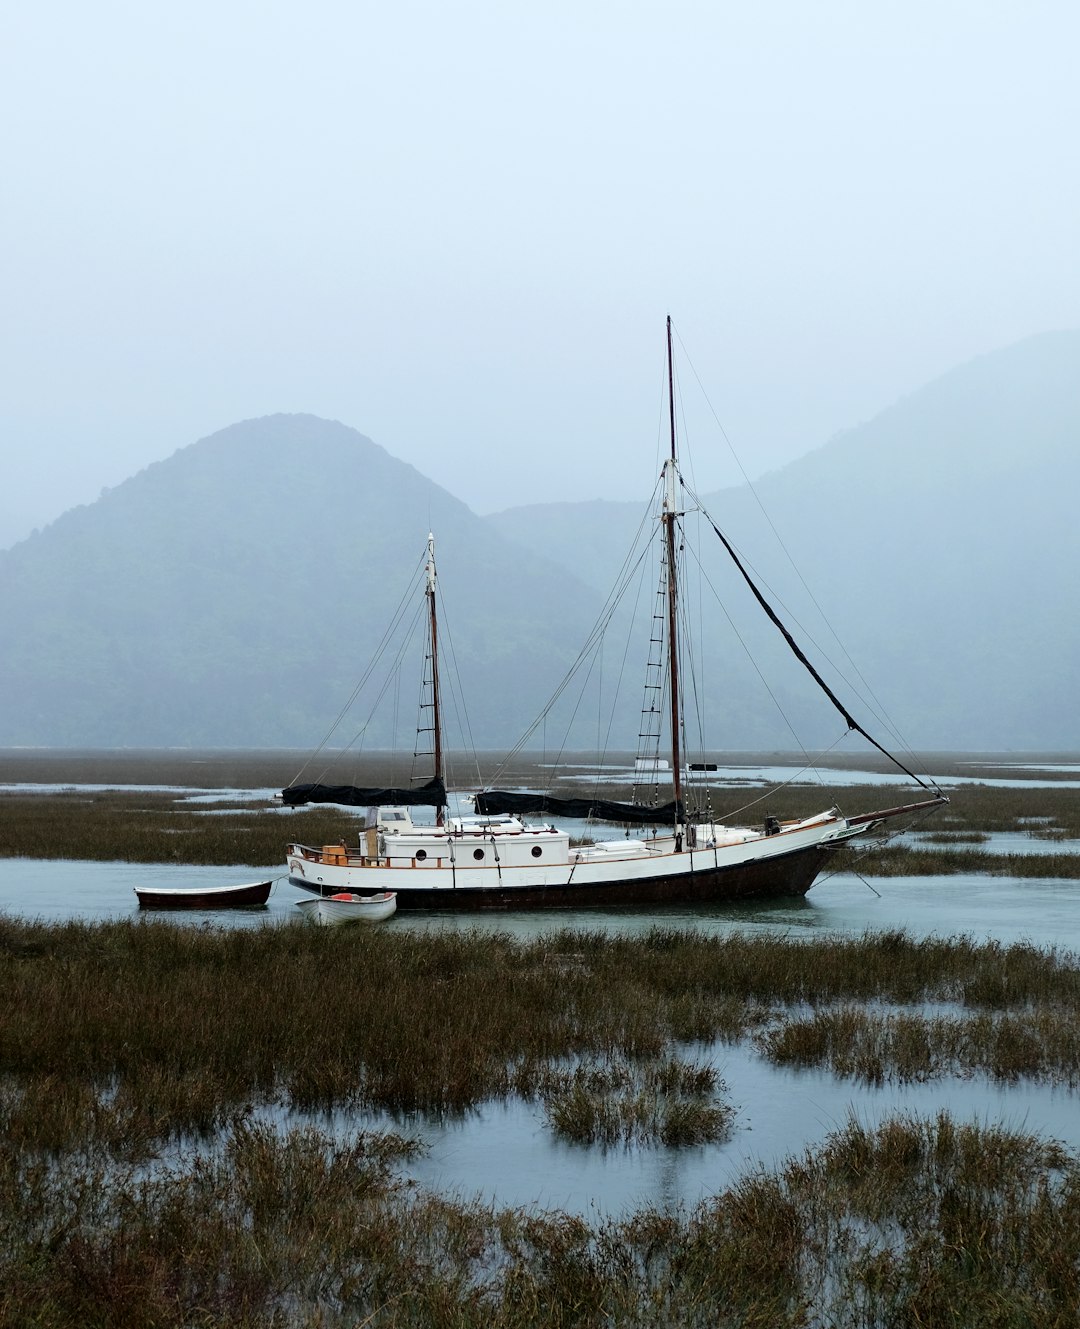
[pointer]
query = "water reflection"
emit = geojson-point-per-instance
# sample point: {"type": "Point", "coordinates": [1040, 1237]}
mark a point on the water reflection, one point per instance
{"type": "Point", "coordinates": [1042, 911]}
{"type": "Point", "coordinates": [506, 1153]}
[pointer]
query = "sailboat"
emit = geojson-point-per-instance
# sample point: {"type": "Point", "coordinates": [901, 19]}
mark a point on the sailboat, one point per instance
{"type": "Point", "coordinates": [495, 859]}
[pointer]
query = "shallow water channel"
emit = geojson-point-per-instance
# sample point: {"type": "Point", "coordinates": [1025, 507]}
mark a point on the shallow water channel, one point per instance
{"type": "Point", "coordinates": [507, 1152]}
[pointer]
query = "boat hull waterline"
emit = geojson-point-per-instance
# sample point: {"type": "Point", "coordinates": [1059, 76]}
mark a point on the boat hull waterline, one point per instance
{"type": "Point", "coordinates": [204, 897]}
{"type": "Point", "coordinates": [761, 869]}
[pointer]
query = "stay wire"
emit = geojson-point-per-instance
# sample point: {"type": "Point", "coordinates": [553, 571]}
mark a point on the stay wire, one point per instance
{"type": "Point", "coordinates": [382, 646]}
{"type": "Point", "coordinates": [624, 578]}
{"type": "Point", "coordinates": [801, 656]}
{"type": "Point", "coordinates": [876, 706]}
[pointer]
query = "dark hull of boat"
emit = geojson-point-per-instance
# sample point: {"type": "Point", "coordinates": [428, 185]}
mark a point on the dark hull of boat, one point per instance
{"type": "Point", "coordinates": [213, 897]}
{"type": "Point", "coordinates": [776, 878]}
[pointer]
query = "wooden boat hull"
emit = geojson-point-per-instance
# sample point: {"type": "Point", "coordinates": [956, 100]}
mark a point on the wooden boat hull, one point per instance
{"type": "Point", "coordinates": [336, 910]}
{"type": "Point", "coordinates": [781, 876]}
{"type": "Point", "coordinates": [204, 897]}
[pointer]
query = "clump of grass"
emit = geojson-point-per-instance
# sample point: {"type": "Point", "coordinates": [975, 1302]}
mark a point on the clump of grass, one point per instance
{"type": "Point", "coordinates": [875, 1046]}
{"type": "Point", "coordinates": [665, 1101]}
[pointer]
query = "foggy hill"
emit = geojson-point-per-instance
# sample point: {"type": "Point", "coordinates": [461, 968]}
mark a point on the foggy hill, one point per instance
{"type": "Point", "coordinates": [234, 593]}
{"type": "Point", "coordinates": [940, 539]}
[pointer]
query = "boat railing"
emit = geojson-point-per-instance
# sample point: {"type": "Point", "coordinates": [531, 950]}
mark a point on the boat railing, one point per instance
{"type": "Point", "coordinates": [331, 855]}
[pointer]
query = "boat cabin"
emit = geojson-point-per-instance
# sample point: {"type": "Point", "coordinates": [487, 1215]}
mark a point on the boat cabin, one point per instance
{"type": "Point", "coordinates": [479, 841]}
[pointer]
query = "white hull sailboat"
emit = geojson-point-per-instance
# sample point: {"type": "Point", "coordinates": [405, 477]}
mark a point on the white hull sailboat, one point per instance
{"type": "Point", "coordinates": [497, 859]}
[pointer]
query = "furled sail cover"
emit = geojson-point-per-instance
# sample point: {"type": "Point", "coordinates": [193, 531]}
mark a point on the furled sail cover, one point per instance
{"type": "Point", "coordinates": [602, 809]}
{"type": "Point", "coordinates": [430, 795]}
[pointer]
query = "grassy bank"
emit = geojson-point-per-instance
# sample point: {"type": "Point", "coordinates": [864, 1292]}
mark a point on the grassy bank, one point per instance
{"type": "Point", "coordinates": [143, 1180]}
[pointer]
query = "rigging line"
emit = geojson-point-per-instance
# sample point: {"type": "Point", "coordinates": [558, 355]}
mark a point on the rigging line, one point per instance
{"type": "Point", "coordinates": [691, 656]}
{"type": "Point", "coordinates": [597, 631]}
{"type": "Point", "coordinates": [692, 651]}
{"type": "Point", "coordinates": [809, 769]}
{"type": "Point", "coordinates": [849, 719]}
{"type": "Point", "coordinates": [875, 709]}
{"type": "Point", "coordinates": [573, 715]}
{"type": "Point", "coordinates": [392, 675]}
{"type": "Point", "coordinates": [880, 709]}
{"type": "Point", "coordinates": [622, 666]}
{"type": "Point", "coordinates": [753, 663]}
{"type": "Point", "coordinates": [457, 690]}
{"type": "Point", "coordinates": [657, 679]}
{"type": "Point", "coordinates": [382, 646]}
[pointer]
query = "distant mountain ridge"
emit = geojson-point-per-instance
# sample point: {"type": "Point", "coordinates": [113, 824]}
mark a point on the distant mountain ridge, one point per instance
{"type": "Point", "coordinates": [232, 594]}
{"type": "Point", "coordinates": [941, 538]}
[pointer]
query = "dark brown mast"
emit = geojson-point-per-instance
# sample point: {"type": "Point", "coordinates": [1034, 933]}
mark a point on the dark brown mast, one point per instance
{"type": "Point", "coordinates": [668, 518]}
{"type": "Point", "coordinates": [436, 708]}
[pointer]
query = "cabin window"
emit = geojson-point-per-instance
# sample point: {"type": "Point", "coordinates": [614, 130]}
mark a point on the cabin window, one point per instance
{"type": "Point", "coordinates": [421, 854]}
{"type": "Point", "coordinates": [536, 851]}
{"type": "Point", "coordinates": [478, 854]}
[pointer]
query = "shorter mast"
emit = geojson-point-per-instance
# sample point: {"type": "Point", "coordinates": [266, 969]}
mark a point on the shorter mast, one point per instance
{"type": "Point", "coordinates": [436, 709]}
{"type": "Point", "coordinates": [668, 518]}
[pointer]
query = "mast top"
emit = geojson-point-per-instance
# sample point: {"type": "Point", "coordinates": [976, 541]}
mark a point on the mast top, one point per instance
{"type": "Point", "coordinates": [671, 387]}
{"type": "Point", "coordinates": [431, 563]}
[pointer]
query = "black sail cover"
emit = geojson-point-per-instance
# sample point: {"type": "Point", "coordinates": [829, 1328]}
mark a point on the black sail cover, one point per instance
{"type": "Point", "coordinates": [430, 795]}
{"type": "Point", "coordinates": [601, 809]}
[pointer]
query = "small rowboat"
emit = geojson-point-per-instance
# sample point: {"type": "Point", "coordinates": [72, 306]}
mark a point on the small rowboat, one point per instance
{"type": "Point", "coordinates": [204, 897]}
{"type": "Point", "coordinates": [331, 910]}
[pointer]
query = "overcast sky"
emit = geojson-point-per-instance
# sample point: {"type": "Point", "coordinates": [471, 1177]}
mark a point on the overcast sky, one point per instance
{"type": "Point", "coordinates": [458, 227]}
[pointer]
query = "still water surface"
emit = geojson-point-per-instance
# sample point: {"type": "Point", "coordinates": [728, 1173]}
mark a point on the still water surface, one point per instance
{"type": "Point", "coordinates": [1042, 911]}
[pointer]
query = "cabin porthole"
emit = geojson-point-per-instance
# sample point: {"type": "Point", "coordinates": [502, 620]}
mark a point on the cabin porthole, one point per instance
{"type": "Point", "coordinates": [536, 851]}
{"type": "Point", "coordinates": [421, 854]}
{"type": "Point", "coordinates": [478, 854]}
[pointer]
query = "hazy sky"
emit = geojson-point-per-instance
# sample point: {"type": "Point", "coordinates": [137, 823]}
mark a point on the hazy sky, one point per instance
{"type": "Point", "coordinates": [458, 227]}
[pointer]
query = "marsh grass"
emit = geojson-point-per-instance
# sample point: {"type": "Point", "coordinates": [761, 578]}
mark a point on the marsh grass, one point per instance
{"type": "Point", "coordinates": [875, 1046]}
{"type": "Point", "coordinates": [904, 860]}
{"type": "Point", "coordinates": [142, 1180]}
{"type": "Point", "coordinates": [664, 1101]}
{"type": "Point", "coordinates": [937, 1223]}
{"type": "Point", "coordinates": [175, 1029]}
{"type": "Point", "coordinates": [153, 827]}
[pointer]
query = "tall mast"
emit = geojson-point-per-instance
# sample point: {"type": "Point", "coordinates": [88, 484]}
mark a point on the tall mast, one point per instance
{"type": "Point", "coordinates": [668, 518]}
{"type": "Point", "coordinates": [436, 709]}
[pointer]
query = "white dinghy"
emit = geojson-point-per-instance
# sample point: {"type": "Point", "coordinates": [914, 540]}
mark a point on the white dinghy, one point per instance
{"type": "Point", "coordinates": [347, 907]}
